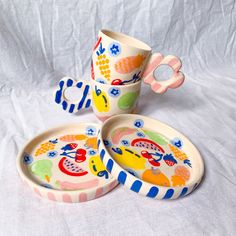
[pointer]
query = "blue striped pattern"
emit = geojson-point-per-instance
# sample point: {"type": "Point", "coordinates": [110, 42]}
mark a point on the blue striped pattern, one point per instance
{"type": "Point", "coordinates": [69, 83]}
{"type": "Point", "coordinates": [99, 141]}
{"type": "Point", "coordinates": [69, 106]}
{"type": "Point", "coordinates": [110, 165]}
{"type": "Point", "coordinates": [153, 192]}
{"type": "Point", "coordinates": [122, 177]}
{"type": "Point", "coordinates": [59, 92]}
{"type": "Point", "coordinates": [102, 153]}
{"type": "Point", "coordinates": [79, 84]}
{"type": "Point", "coordinates": [72, 106]}
{"type": "Point", "coordinates": [136, 186]}
{"type": "Point", "coordinates": [169, 193]}
{"type": "Point", "coordinates": [184, 191]}
{"type": "Point", "coordinates": [88, 103]}
{"type": "Point", "coordinates": [64, 105]}
{"type": "Point", "coordinates": [85, 93]}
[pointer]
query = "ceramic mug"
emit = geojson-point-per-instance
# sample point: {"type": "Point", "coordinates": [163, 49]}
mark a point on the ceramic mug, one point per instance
{"type": "Point", "coordinates": [119, 59]}
{"type": "Point", "coordinates": [107, 100]}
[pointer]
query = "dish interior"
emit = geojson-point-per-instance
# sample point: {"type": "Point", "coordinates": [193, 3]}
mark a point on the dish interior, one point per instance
{"type": "Point", "coordinates": [65, 159]}
{"type": "Point", "coordinates": [152, 151]}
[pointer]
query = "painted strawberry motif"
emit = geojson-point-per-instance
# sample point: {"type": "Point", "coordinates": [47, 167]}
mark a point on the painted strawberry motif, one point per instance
{"type": "Point", "coordinates": [169, 160]}
{"type": "Point", "coordinates": [69, 146]}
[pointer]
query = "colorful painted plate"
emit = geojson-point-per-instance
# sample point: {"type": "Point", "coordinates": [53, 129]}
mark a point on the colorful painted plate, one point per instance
{"type": "Point", "coordinates": [63, 164]}
{"type": "Point", "coordinates": [149, 157]}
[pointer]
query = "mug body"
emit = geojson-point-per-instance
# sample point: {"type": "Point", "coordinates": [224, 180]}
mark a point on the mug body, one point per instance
{"type": "Point", "coordinates": [109, 100]}
{"type": "Point", "coordinates": [118, 59]}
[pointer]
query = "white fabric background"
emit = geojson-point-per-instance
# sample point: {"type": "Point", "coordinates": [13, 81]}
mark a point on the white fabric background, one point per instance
{"type": "Point", "coordinates": [40, 41]}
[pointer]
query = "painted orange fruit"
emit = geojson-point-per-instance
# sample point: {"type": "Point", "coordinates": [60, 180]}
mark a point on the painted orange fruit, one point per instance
{"type": "Point", "coordinates": [183, 172]}
{"type": "Point", "coordinates": [155, 176]}
{"type": "Point", "coordinates": [128, 64]}
{"type": "Point", "coordinates": [180, 177]}
{"type": "Point", "coordinates": [177, 180]}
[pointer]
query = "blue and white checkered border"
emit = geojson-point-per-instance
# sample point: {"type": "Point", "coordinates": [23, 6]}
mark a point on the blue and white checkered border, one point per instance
{"type": "Point", "coordinates": [137, 185]}
{"type": "Point", "coordinates": [70, 106]}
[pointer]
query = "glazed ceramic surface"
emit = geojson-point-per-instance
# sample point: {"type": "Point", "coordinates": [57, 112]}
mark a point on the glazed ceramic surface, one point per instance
{"type": "Point", "coordinates": [119, 59]}
{"type": "Point", "coordinates": [63, 164]}
{"type": "Point", "coordinates": [81, 88]}
{"type": "Point", "coordinates": [149, 157]}
{"type": "Point", "coordinates": [109, 100]}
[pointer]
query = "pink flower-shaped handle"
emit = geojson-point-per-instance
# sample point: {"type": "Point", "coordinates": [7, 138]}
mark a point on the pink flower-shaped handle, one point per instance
{"type": "Point", "coordinates": [176, 79]}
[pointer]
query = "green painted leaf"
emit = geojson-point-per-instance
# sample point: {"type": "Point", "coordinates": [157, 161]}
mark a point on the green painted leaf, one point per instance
{"type": "Point", "coordinates": [158, 138]}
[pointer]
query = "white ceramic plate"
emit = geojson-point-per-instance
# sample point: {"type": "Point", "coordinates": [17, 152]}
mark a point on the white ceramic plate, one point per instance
{"type": "Point", "coordinates": [149, 157]}
{"type": "Point", "coordinates": [63, 164]}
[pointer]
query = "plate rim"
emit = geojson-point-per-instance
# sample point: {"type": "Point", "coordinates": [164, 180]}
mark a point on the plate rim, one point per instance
{"type": "Point", "coordinates": [101, 147]}
{"type": "Point", "coordinates": [33, 184]}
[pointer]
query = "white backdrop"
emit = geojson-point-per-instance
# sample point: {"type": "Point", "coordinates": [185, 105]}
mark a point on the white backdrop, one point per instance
{"type": "Point", "coordinates": [40, 41]}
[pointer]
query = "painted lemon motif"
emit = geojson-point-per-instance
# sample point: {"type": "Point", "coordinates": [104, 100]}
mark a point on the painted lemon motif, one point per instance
{"type": "Point", "coordinates": [100, 100]}
{"type": "Point", "coordinates": [128, 158]}
{"type": "Point", "coordinates": [97, 168]}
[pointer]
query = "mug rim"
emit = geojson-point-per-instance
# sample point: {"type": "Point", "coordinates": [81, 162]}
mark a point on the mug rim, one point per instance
{"type": "Point", "coordinates": [129, 40]}
{"type": "Point", "coordinates": [119, 86]}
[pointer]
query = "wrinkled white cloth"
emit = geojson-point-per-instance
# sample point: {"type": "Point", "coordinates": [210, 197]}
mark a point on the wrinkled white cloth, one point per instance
{"type": "Point", "coordinates": [40, 41]}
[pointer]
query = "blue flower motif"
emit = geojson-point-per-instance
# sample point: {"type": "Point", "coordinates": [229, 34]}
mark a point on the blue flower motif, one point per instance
{"type": "Point", "coordinates": [27, 159]}
{"type": "Point", "coordinates": [114, 49]}
{"type": "Point", "coordinates": [139, 134]}
{"type": "Point", "coordinates": [52, 154]}
{"type": "Point", "coordinates": [107, 143]}
{"type": "Point", "coordinates": [92, 152]}
{"type": "Point", "coordinates": [125, 142]}
{"type": "Point", "coordinates": [177, 142]}
{"type": "Point", "coordinates": [114, 92]}
{"type": "Point", "coordinates": [91, 131]}
{"type": "Point", "coordinates": [138, 123]}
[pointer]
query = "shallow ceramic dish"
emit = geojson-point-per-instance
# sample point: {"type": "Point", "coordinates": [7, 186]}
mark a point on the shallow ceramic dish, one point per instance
{"type": "Point", "coordinates": [62, 164]}
{"type": "Point", "coordinates": [149, 157]}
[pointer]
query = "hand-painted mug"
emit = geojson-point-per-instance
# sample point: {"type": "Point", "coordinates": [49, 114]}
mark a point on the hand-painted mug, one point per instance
{"type": "Point", "coordinates": [119, 59]}
{"type": "Point", "coordinates": [107, 100]}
